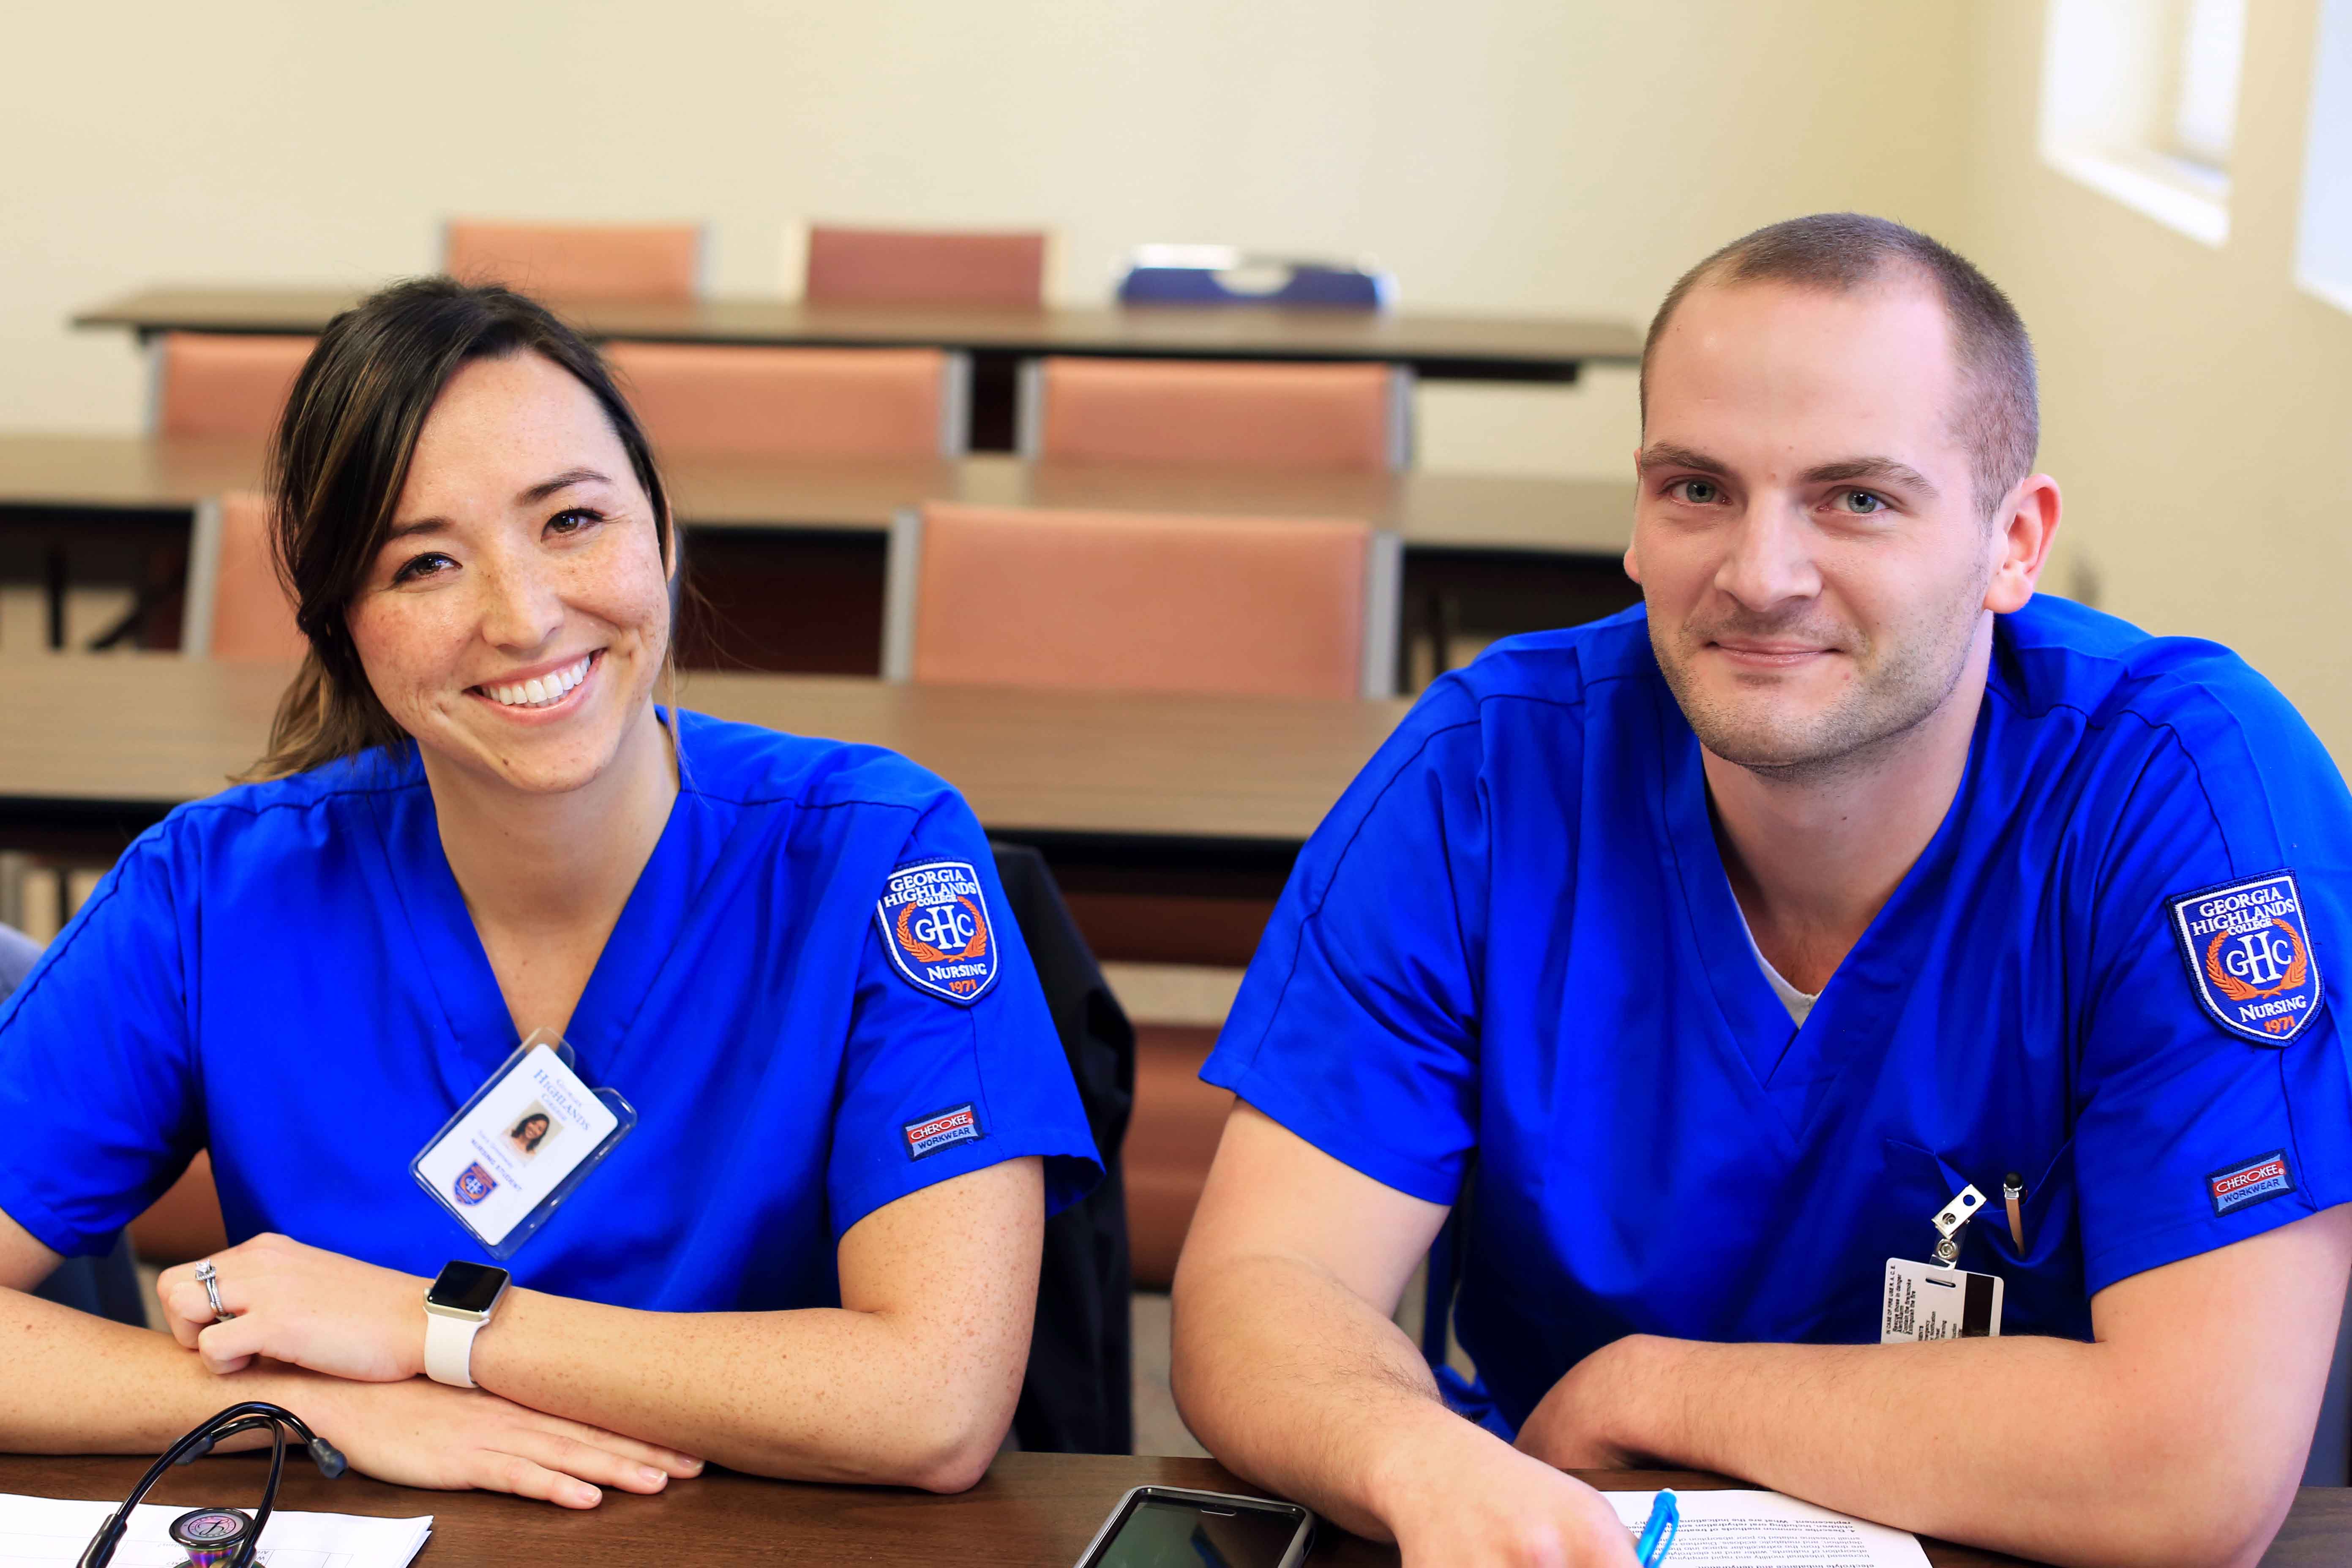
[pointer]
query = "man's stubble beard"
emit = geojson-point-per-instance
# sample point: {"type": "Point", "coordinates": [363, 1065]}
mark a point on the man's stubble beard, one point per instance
{"type": "Point", "coordinates": [1885, 701]}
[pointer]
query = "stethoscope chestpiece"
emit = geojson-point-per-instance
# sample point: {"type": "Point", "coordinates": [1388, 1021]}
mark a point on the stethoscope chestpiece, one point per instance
{"type": "Point", "coordinates": [210, 1536]}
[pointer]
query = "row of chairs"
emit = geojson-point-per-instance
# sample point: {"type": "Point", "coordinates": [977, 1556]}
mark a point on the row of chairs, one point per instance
{"type": "Point", "coordinates": [885, 405]}
{"type": "Point", "coordinates": [1002, 595]}
{"type": "Point", "coordinates": [664, 262]}
{"type": "Point", "coordinates": [895, 266]}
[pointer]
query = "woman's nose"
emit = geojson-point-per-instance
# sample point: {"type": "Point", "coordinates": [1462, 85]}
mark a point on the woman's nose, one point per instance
{"type": "Point", "coordinates": [521, 607]}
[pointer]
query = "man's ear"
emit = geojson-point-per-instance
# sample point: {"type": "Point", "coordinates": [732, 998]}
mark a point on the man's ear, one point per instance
{"type": "Point", "coordinates": [1632, 557]}
{"type": "Point", "coordinates": [2022, 533]}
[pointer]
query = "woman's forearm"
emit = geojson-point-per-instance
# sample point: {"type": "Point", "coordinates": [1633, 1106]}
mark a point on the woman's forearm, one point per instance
{"type": "Point", "coordinates": [821, 1394]}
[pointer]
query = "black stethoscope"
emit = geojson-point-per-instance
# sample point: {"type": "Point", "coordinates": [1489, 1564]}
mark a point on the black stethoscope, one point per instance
{"type": "Point", "coordinates": [218, 1537]}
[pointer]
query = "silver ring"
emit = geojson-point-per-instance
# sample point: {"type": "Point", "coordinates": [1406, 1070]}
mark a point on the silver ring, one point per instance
{"type": "Point", "coordinates": [210, 1278]}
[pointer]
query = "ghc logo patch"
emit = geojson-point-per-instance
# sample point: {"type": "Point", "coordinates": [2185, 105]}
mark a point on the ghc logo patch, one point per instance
{"type": "Point", "coordinates": [934, 919]}
{"type": "Point", "coordinates": [2248, 949]}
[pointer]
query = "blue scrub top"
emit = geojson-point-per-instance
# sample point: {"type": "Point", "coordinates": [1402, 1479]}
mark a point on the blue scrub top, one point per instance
{"type": "Point", "coordinates": [286, 973]}
{"type": "Point", "coordinates": [1512, 947]}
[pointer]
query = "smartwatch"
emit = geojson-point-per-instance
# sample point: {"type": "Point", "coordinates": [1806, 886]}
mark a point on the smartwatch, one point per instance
{"type": "Point", "coordinates": [460, 1301]}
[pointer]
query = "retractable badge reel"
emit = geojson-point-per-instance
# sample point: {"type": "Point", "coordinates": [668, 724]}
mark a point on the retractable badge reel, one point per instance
{"type": "Point", "coordinates": [1941, 1301]}
{"type": "Point", "coordinates": [521, 1145]}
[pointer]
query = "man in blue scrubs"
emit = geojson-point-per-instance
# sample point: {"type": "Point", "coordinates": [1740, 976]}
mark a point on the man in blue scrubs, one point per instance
{"type": "Point", "coordinates": [1701, 961]}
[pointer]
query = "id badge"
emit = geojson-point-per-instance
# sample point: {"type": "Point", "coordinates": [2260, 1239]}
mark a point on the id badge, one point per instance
{"type": "Point", "coordinates": [1930, 1301]}
{"type": "Point", "coordinates": [517, 1150]}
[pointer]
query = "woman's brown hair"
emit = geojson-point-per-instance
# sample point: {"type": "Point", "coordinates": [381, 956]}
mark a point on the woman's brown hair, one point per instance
{"type": "Point", "coordinates": [339, 461]}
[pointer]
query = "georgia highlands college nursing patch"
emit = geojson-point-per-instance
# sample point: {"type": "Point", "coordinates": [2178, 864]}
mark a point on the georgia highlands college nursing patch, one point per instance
{"type": "Point", "coordinates": [2248, 949]}
{"type": "Point", "coordinates": [934, 919]}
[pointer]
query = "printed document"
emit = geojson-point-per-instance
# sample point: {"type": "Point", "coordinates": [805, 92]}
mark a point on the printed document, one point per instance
{"type": "Point", "coordinates": [1765, 1530]}
{"type": "Point", "coordinates": [44, 1532]}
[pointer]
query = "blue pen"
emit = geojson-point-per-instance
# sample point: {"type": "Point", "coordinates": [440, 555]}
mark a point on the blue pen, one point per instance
{"type": "Point", "coordinates": [1665, 1520]}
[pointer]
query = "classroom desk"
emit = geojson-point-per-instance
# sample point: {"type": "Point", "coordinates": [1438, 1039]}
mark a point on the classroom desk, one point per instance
{"type": "Point", "coordinates": [1483, 348]}
{"type": "Point", "coordinates": [1484, 552]}
{"type": "Point", "coordinates": [1031, 1511]}
{"type": "Point", "coordinates": [1433, 509]}
{"type": "Point", "coordinates": [110, 743]}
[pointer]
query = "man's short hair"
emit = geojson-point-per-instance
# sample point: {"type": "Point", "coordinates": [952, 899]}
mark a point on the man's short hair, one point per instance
{"type": "Point", "coordinates": [2000, 416]}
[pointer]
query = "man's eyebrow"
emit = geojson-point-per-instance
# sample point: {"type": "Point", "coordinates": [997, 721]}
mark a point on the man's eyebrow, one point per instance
{"type": "Point", "coordinates": [1666, 454]}
{"type": "Point", "coordinates": [564, 481]}
{"type": "Point", "coordinates": [1884, 470]}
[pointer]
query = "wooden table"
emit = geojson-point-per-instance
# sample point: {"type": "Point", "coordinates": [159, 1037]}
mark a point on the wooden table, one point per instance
{"type": "Point", "coordinates": [1458, 512]}
{"type": "Point", "coordinates": [789, 554]}
{"type": "Point", "coordinates": [125, 737]}
{"type": "Point", "coordinates": [1032, 1511]}
{"type": "Point", "coordinates": [1484, 348]}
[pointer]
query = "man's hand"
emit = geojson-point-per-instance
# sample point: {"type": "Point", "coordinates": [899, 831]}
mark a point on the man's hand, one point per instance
{"type": "Point", "coordinates": [1569, 1429]}
{"type": "Point", "coordinates": [302, 1306]}
{"type": "Point", "coordinates": [420, 1433]}
{"type": "Point", "coordinates": [1487, 1506]}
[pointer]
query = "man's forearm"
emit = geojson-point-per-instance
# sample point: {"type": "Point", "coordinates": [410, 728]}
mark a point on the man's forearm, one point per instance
{"type": "Point", "coordinates": [2050, 1448]}
{"type": "Point", "coordinates": [1300, 1385]}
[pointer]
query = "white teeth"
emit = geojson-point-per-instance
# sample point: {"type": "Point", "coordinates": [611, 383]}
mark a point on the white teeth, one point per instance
{"type": "Point", "coordinates": [541, 691]}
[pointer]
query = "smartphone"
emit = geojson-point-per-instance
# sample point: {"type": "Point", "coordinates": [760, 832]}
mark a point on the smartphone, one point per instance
{"type": "Point", "coordinates": [1168, 1527]}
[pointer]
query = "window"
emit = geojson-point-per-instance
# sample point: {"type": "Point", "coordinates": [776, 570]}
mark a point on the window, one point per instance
{"type": "Point", "coordinates": [2323, 262]}
{"type": "Point", "coordinates": [2139, 100]}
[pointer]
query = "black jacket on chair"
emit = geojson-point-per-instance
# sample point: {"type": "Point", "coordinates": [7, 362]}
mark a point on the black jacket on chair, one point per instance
{"type": "Point", "coordinates": [1076, 1396]}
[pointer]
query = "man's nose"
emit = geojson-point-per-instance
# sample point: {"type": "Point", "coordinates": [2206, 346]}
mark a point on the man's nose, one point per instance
{"type": "Point", "coordinates": [1771, 557]}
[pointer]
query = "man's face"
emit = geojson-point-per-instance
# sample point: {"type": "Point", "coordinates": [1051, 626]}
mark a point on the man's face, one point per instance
{"type": "Point", "coordinates": [1806, 537]}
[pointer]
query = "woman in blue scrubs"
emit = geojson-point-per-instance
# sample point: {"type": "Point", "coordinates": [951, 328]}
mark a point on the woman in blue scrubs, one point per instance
{"type": "Point", "coordinates": [813, 1255]}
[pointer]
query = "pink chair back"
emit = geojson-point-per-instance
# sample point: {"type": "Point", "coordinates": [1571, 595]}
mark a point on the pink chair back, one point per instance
{"type": "Point", "coordinates": [578, 261]}
{"type": "Point", "coordinates": [1134, 602]}
{"type": "Point", "coordinates": [236, 606]}
{"type": "Point", "coordinates": [222, 386]}
{"type": "Point", "coordinates": [907, 266]}
{"type": "Point", "coordinates": [847, 404]}
{"type": "Point", "coordinates": [1346, 417]}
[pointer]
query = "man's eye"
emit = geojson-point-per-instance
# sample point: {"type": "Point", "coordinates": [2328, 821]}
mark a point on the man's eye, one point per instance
{"type": "Point", "coordinates": [1698, 492]}
{"type": "Point", "coordinates": [425, 565]}
{"type": "Point", "coordinates": [1862, 503]}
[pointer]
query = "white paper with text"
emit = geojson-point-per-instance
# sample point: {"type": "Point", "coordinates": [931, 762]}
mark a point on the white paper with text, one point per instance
{"type": "Point", "coordinates": [1766, 1530]}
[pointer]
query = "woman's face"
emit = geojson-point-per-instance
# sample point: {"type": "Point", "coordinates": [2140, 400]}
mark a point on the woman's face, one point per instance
{"type": "Point", "coordinates": [532, 1128]}
{"type": "Point", "coordinates": [516, 617]}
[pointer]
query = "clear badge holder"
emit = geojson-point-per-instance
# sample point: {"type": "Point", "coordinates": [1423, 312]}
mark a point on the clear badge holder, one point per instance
{"type": "Point", "coordinates": [614, 1103]}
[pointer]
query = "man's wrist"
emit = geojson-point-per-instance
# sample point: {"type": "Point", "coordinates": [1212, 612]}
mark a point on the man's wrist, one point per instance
{"type": "Point", "coordinates": [1414, 1452]}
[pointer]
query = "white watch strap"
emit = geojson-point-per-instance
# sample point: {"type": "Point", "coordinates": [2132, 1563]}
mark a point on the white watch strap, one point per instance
{"type": "Point", "coordinates": [450, 1349]}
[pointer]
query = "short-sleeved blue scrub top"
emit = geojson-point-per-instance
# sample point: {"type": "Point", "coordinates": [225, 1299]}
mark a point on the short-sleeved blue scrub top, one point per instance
{"type": "Point", "coordinates": [1510, 957]}
{"type": "Point", "coordinates": [286, 973]}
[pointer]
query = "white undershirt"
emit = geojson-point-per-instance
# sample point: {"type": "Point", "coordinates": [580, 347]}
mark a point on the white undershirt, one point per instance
{"type": "Point", "coordinates": [1797, 1003]}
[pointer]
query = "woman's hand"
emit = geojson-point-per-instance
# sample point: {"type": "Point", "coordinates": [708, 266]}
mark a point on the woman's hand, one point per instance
{"type": "Point", "coordinates": [302, 1306]}
{"type": "Point", "coordinates": [420, 1433]}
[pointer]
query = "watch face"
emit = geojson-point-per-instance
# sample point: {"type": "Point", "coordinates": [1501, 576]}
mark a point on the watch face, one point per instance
{"type": "Point", "coordinates": [466, 1287]}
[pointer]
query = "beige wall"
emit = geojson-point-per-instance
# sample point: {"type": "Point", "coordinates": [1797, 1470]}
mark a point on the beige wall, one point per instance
{"type": "Point", "coordinates": [1504, 156]}
{"type": "Point", "coordinates": [1501, 155]}
{"type": "Point", "coordinates": [2196, 406]}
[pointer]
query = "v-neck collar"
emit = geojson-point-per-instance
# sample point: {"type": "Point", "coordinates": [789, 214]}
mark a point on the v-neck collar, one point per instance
{"type": "Point", "coordinates": [1793, 1066]}
{"type": "Point", "coordinates": [457, 966]}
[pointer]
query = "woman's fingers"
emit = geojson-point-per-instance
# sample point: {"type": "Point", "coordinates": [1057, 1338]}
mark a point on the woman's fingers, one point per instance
{"type": "Point", "coordinates": [587, 1461]}
{"type": "Point", "coordinates": [667, 1460]}
{"type": "Point", "coordinates": [513, 1473]}
{"type": "Point", "coordinates": [228, 1347]}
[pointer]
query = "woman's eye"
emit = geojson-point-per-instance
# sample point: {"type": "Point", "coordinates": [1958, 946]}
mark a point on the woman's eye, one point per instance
{"type": "Point", "coordinates": [425, 565]}
{"type": "Point", "coordinates": [1860, 503]}
{"type": "Point", "coordinates": [1697, 492]}
{"type": "Point", "coordinates": [573, 520]}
